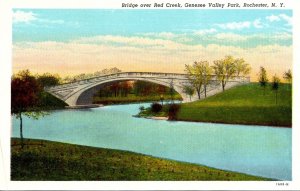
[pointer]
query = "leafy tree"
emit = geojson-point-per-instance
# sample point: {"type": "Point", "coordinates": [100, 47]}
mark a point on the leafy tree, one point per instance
{"type": "Point", "coordinates": [275, 85]}
{"type": "Point", "coordinates": [263, 79]}
{"type": "Point", "coordinates": [288, 76]}
{"type": "Point", "coordinates": [25, 91]}
{"type": "Point", "coordinates": [242, 68]}
{"type": "Point", "coordinates": [195, 75]}
{"type": "Point", "coordinates": [48, 79]}
{"type": "Point", "coordinates": [189, 90]}
{"type": "Point", "coordinates": [224, 70]}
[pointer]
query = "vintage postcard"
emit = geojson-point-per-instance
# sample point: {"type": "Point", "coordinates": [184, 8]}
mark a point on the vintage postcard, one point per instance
{"type": "Point", "coordinates": [152, 94]}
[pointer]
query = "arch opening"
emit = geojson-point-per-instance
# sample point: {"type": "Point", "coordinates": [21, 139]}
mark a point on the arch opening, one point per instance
{"type": "Point", "coordinates": [126, 91]}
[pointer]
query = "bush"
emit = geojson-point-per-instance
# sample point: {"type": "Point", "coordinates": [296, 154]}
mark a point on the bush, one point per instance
{"type": "Point", "coordinates": [173, 110]}
{"type": "Point", "coordinates": [156, 107]}
{"type": "Point", "coordinates": [142, 108]}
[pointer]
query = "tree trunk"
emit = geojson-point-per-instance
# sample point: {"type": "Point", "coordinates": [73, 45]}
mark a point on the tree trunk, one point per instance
{"type": "Point", "coordinates": [276, 97]}
{"type": "Point", "coordinates": [205, 90]}
{"type": "Point", "coordinates": [223, 86]}
{"type": "Point", "coordinates": [21, 130]}
{"type": "Point", "coordinates": [198, 92]}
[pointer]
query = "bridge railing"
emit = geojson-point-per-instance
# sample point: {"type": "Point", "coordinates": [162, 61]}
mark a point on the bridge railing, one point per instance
{"type": "Point", "coordinates": [136, 74]}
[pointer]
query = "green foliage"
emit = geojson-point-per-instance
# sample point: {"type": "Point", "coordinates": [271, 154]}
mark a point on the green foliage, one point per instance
{"type": "Point", "coordinates": [275, 85]}
{"type": "Point", "coordinates": [225, 69]}
{"type": "Point", "coordinates": [48, 79]}
{"type": "Point", "coordinates": [288, 76]}
{"type": "Point", "coordinates": [54, 161]}
{"type": "Point", "coordinates": [189, 90]}
{"type": "Point", "coordinates": [173, 110]}
{"type": "Point", "coordinates": [199, 74]}
{"type": "Point", "coordinates": [141, 108]}
{"type": "Point", "coordinates": [156, 107]}
{"type": "Point", "coordinates": [242, 68]}
{"type": "Point", "coordinates": [242, 105]}
{"type": "Point", "coordinates": [263, 79]}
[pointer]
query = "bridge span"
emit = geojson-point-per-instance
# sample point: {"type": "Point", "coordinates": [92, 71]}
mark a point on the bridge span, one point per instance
{"type": "Point", "coordinates": [81, 92]}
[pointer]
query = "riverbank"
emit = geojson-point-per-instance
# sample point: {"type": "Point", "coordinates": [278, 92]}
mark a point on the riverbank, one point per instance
{"type": "Point", "coordinates": [248, 104]}
{"type": "Point", "coordinates": [132, 99]}
{"type": "Point", "coordinates": [47, 160]}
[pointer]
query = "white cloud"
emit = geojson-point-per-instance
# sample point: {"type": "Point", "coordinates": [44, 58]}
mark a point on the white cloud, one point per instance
{"type": "Point", "coordinates": [257, 24]}
{"type": "Point", "coordinates": [272, 18]}
{"type": "Point", "coordinates": [22, 16]}
{"type": "Point", "coordinates": [27, 17]}
{"type": "Point", "coordinates": [205, 31]}
{"type": "Point", "coordinates": [235, 25]}
{"type": "Point", "coordinates": [276, 18]}
{"type": "Point", "coordinates": [288, 19]}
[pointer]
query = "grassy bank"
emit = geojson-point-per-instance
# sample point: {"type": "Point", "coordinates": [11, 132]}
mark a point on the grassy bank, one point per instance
{"type": "Point", "coordinates": [247, 104]}
{"type": "Point", "coordinates": [46, 160]}
{"type": "Point", "coordinates": [131, 99]}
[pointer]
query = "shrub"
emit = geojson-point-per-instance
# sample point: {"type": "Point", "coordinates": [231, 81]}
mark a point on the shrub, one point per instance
{"type": "Point", "coordinates": [142, 108]}
{"type": "Point", "coordinates": [156, 107]}
{"type": "Point", "coordinates": [173, 110]}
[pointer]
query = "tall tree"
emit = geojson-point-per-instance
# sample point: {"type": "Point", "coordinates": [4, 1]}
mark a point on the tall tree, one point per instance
{"type": "Point", "coordinates": [25, 92]}
{"type": "Point", "coordinates": [262, 78]}
{"type": "Point", "coordinates": [288, 76]}
{"type": "Point", "coordinates": [195, 75]}
{"type": "Point", "coordinates": [242, 68]}
{"type": "Point", "coordinates": [275, 86]}
{"type": "Point", "coordinates": [224, 69]}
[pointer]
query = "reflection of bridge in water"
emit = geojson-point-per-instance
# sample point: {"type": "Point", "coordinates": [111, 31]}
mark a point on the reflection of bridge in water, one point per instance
{"type": "Point", "coordinates": [81, 92]}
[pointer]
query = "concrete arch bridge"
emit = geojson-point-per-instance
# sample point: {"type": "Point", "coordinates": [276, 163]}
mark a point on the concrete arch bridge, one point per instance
{"type": "Point", "coordinates": [81, 92]}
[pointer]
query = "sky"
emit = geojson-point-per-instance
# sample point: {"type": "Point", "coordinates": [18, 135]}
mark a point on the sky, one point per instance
{"type": "Point", "coordinates": [69, 42]}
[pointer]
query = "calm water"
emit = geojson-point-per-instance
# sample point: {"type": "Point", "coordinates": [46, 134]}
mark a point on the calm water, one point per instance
{"type": "Point", "coordinates": [257, 150]}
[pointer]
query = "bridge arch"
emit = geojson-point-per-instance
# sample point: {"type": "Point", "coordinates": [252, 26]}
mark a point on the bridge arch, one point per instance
{"type": "Point", "coordinates": [85, 95]}
{"type": "Point", "coordinates": [80, 92]}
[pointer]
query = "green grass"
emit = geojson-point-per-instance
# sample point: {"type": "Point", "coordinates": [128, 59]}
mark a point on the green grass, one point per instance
{"type": "Point", "coordinates": [131, 99]}
{"type": "Point", "coordinates": [247, 104]}
{"type": "Point", "coordinates": [47, 160]}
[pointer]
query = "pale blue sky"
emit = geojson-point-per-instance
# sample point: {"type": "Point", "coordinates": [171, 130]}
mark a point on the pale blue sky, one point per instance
{"type": "Point", "coordinates": [65, 25]}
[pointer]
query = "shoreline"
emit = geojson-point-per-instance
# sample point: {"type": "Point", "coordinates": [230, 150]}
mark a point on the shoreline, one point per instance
{"type": "Point", "coordinates": [226, 123]}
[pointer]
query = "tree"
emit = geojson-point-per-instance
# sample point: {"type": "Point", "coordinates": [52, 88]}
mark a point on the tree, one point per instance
{"type": "Point", "coordinates": [25, 92]}
{"type": "Point", "coordinates": [48, 79]}
{"type": "Point", "coordinates": [206, 69]}
{"type": "Point", "coordinates": [263, 79]}
{"type": "Point", "coordinates": [195, 75]}
{"type": "Point", "coordinates": [288, 76]}
{"type": "Point", "coordinates": [189, 90]}
{"type": "Point", "coordinates": [275, 86]}
{"type": "Point", "coordinates": [224, 70]}
{"type": "Point", "coordinates": [242, 67]}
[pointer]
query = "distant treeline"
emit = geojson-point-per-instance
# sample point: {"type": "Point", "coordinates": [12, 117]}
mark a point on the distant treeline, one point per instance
{"type": "Point", "coordinates": [136, 88]}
